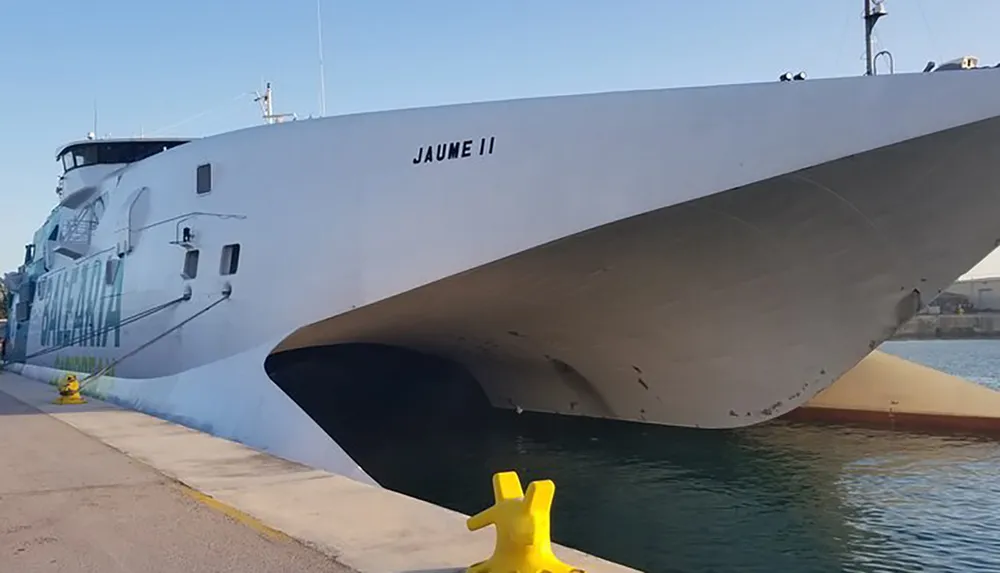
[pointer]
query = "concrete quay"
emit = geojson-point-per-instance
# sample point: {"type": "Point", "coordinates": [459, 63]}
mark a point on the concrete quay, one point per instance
{"type": "Point", "coordinates": [176, 499]}
{"type": "Point", "coordinates": [950, 326]}
{"type": "Point", "coordinates": [69, 503]}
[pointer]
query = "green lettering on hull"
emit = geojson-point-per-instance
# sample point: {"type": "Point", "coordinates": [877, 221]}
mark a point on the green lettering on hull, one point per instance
{"type": "Point", "coordinates": [81, 308]}
{"type": "Point", "coordinates": [83, 363]}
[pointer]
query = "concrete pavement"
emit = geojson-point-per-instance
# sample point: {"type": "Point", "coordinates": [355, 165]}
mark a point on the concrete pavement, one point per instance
{"type": "Point", "coordinates": [70, 503]}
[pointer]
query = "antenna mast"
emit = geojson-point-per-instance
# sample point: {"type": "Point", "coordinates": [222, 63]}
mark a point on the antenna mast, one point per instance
{"type": "Point", "coordinates": [874, 9]}
{"type": "Point", "coordinates": [267, 107]}
{"type": "Point", "coordinates": [322, 74]}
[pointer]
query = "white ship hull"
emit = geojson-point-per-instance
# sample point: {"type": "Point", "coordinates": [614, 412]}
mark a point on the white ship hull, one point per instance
{"type": "Point", "coordinates": [708, 257]}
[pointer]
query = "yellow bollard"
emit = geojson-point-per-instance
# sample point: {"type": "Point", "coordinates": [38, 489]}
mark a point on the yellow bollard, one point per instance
{"type": "Point", "coordinates": [523, 528]}
{"type": "Point", "coordinates": [69, 391]}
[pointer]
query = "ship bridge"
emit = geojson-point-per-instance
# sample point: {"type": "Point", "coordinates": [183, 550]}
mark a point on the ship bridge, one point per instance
{"type": "Point", "coordinates": [88, 161]}
{"type": "Point", "coordinates": [112, 151]}
{"type": "Point", "coordinates": [85, 164]}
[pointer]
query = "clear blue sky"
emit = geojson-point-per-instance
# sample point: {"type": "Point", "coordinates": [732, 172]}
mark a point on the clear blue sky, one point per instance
{"type": "Point", "coordinates": [150, 65]}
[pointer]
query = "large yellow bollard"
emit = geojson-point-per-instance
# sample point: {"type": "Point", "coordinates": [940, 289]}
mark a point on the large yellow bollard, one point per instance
{"type": "Point", "coordinates": [522, 522]}
{"type": "Point", "coordinates": [69, 391]}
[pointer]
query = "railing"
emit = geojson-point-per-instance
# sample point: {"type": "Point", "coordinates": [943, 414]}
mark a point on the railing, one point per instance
{"type": "Point", "coordinates": [74, 235]}
{"type": "Point", "coordinates": [80, 229]}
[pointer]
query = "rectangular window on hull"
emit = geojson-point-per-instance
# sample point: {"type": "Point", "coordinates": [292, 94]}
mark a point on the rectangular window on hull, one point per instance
{"type": "Point", "coordinates": [190, 265]}
{"type": "Point", "coordinates": [230, 259]}
{"type": "Point", "coordinates": [110, 271]}
{"type": "Point", "coordinates": [22, 311]}
{"type": "Point", "coordinates": [204, 178]}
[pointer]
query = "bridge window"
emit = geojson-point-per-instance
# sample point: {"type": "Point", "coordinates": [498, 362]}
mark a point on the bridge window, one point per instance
{"type": "Point", "coordinates": [85, 156]}
{"type": "Point", "coordinates": [204, 178]}
{"type": "Point", "coordinates": [230, 259]}
{"type": "Point", "coordinates": [190, 264]}
{"type": "Point", "coordinates": [113, 152]}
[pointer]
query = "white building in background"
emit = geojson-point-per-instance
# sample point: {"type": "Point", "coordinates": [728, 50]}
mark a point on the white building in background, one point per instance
{"type": "Point", "coordinates": [983, 293]}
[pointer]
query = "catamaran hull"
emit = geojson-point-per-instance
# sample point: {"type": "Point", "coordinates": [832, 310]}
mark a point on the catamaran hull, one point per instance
{"type": "Point", "coordinates": [720, 312]}
{"type": "Point", "coordinates": [706, 257]}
